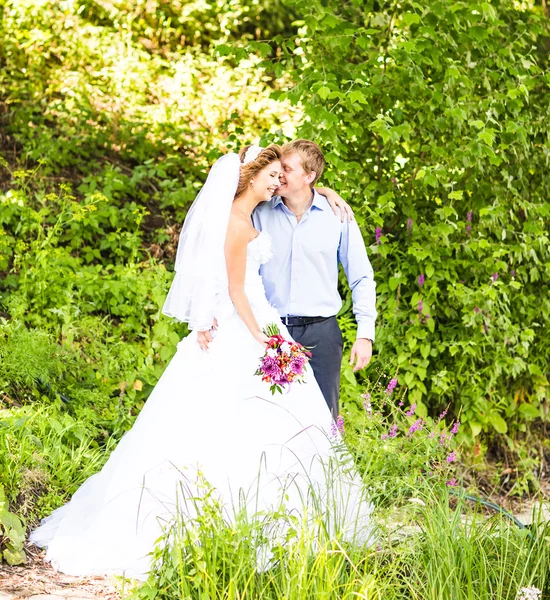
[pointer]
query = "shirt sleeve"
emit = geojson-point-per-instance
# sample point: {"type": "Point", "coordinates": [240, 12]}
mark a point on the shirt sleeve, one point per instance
{"type": "Point", "coordinates": [353, 256]}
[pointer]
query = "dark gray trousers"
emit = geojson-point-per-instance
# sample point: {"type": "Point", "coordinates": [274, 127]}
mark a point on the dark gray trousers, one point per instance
{"type": "Point", "coordinates": [325, 342]}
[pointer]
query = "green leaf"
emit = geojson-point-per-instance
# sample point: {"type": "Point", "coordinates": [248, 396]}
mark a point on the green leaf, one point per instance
{"type": "Point", "coordinates": [498, 423]}
{"type": "Point", "coordinates": [411, 18]}
{"type": "Point", "coordinates": [323, 92]}
{"type": "Point", "coordinates": [475, 428]}
{"type": "Point", "coordinates": [529, 411]}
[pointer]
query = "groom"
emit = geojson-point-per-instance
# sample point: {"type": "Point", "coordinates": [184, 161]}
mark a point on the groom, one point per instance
{"type": "Point", "coordinates": [301, 280]}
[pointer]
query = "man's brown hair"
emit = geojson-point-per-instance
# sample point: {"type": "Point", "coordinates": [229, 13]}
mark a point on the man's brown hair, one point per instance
{"type": "Point", "coordinates": [311, 155]}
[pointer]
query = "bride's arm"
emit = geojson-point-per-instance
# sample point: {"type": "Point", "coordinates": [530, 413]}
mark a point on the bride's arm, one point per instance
{"type": "Point", "coordinates": [236, 243]}
{"type": "Point", "coordinates": [336, 202]}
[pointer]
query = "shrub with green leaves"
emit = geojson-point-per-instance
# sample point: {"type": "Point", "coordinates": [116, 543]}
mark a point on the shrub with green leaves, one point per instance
{"type": "Point", "coordinates": [12, 534]}
{"type": "Point", "coordinates": [434, 117]}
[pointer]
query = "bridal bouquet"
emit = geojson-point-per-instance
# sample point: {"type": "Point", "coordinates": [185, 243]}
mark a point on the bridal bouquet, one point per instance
{"type": "Point", "coordinates": [283, 362]}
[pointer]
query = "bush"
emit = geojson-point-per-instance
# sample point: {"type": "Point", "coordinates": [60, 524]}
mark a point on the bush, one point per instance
{"type": "Point", "coordinates": [434, 119]}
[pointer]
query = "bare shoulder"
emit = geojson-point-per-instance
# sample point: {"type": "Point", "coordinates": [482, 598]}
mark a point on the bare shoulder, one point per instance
{"type": "Point", "coordinates": [239, 230]}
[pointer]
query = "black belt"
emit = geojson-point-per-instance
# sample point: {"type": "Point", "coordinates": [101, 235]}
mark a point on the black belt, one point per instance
{"type": "Point", "coordinates": [296, 321]}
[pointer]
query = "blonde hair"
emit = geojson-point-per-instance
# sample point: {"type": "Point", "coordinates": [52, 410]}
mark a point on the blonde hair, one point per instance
{"type": "Point", "coordinates": [311, 155]}
{"type": "Point", "coordinates": [251, 169]}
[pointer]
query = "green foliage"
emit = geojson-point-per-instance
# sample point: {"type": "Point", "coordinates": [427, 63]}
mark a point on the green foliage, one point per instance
{"type": "Point", "coordinates": [110, 113]}
{"type": "Point", "coordinates": [427, 551]}
{"type": "Point", "coordinates": [434, 120]}
{"type": "Point", "coordinates": [12, 534]}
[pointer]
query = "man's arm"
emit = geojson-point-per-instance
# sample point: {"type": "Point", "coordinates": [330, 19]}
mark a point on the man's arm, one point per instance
{"type": "Point", "coordinates": [352, 253]}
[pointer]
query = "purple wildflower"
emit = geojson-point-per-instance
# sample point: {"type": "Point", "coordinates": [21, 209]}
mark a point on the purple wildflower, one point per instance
{"type": "Point", "coordinates": [468, 229]}
{"type": "Point", "coordinates": [495, 276]}
{"type": "Point", "coordinates": [421, 279]}
{"type": "Point", "coordinates": [455, 428]}
{"type": "Point", "coordinates": [378, 234]}
{"type": "Point", "coordinates": [409, 225]}
{"type": "Point", "coordinates": [442, 439]}
{"type": "Point", "coordinates": [469, 216]}
{"type": "Point", "coordinates": [485, 328]}
{"type": "Point", "coordinates": [337, 426]}
{"type": "Point", "coordinates": [416, 426]}
{"type": "Point", "coordinates": [452, 457]}
{"type": "Point", "coordinates": [443, 414]}
{"type": "Point", "coordinates": [452, 482]}
{"type": "Point", "coordinates": [476, 309]}
{"type": "Point", "coordinates": [420, 306]}
{"type": "Point", "coordinates": [401, 403]}
{"type": "Point", "coordinates": [513, 272]}
{"type": "Point", "coordinates": [391, 386]}
{"type": "Point", "coordinates": [411, 410]}
{"type": "Point", "coordinates": [392, 433]}
{"type": "Point", "coordinates": [366, 403]}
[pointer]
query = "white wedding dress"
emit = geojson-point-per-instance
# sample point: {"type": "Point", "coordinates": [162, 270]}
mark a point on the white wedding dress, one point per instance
{"type": "Point", "coordinates": [208, 413]}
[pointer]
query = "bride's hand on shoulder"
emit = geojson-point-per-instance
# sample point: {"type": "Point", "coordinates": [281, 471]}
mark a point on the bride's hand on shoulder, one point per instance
{"type": "Point", "coordinates": [261, 337]}
{"type": "Point", "coordinates": [337, 202]}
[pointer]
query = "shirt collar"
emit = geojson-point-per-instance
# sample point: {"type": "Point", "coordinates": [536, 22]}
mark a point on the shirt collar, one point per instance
{"type": "Point", "coordinates": [319, 201]}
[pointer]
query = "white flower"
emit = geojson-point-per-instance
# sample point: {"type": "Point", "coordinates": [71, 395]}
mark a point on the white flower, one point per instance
{"type": "Point", "coordinates": [271, 352]}
{"type": "Point", "coordinates": [529, 593]}
{"type": "Point", "coordinates": [285, 348]}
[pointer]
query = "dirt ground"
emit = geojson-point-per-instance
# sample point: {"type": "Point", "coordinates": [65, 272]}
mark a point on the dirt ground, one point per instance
{"type": "Point", "coordinates": [36, 580]}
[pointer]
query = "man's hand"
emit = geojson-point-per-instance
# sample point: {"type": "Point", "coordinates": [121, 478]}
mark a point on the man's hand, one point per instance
{"type": "Point", "coordinates": [336, 202]}
{"type": "Point", "coordinates": [361, 354]}
{"type": "Point", "coordinates": [204, 338]}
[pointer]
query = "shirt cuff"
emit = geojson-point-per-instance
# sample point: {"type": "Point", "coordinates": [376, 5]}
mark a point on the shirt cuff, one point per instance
{"type": "Point", "coordinates": [365, 330]}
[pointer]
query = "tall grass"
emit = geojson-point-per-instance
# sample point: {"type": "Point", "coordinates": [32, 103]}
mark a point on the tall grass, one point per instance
{"type": "Point", "coordinates": [450, 551]}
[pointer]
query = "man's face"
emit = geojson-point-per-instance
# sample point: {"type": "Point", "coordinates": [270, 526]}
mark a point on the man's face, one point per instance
{"type": "Point", "coordinates": [294, 179]}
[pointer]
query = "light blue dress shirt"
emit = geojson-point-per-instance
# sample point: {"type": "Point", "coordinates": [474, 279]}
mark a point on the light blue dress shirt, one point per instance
{"type": "Point", "coordinates": [301, 280]}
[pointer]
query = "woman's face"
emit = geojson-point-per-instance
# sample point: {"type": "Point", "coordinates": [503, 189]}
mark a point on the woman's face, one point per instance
{"type": "Point", "coordinates": [267, 180]}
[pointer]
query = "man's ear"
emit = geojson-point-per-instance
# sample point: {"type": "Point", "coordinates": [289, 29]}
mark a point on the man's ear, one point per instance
{"type": "Point", "coordinates": [310, 177]}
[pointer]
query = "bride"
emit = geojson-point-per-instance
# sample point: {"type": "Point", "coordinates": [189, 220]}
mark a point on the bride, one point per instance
{"type": "Point", "coordinates": [209, 417]}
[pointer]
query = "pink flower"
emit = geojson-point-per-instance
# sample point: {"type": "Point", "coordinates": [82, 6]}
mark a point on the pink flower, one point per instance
{"type": "Point", "coordinates": [411, 410]}
{"type": "Point", "coordinates": [337, 426]}
{"type": "Point", "coordinates": [452, 457]}
{"type": "Point", "coordinates": [455, 428]}
{"type": "Point", "coordinates": [297, 365]}
{"type": "Point", "coordinates": [378, 234]}
{"type": "Point", "coordinates": [452, 482]}
{"type": "Point", "coordinates": [421, 279]}
{"type": "Point", "coordinates": [270, 366]}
